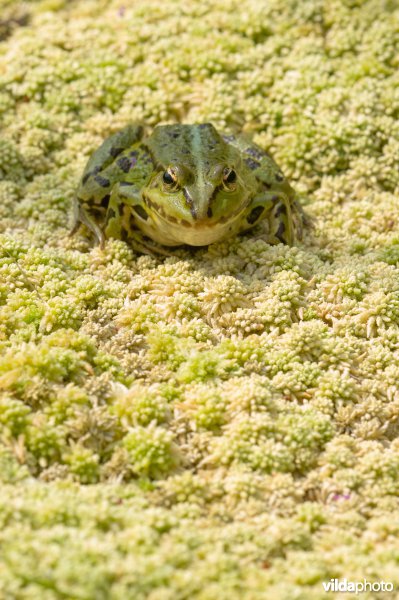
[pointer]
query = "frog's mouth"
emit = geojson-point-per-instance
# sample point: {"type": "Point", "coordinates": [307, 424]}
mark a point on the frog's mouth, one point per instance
{"type": "Point", "coordinates": [200, 233]}
{"type": "Point", "coordinates": [196, 228]}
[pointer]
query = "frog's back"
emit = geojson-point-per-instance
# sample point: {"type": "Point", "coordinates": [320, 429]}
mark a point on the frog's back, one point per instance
{"type": "Point", "coordinates": [122, 155]}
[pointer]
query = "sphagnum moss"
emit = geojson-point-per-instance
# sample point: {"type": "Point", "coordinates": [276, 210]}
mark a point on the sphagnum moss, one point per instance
{"type": "Point", "coordinates": [220, 423]}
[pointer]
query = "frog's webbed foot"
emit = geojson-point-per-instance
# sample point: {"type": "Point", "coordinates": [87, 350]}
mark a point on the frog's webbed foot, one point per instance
{"type": "Point", "coordinates": [300, 220]}
{"type": "Point", "coordinates": [75, 228]}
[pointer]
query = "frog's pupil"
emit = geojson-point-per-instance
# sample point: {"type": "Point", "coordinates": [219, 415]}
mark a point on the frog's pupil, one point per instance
{"type": "Point", "coordinates": [167, 178]}
{"type": "Point", "coordinates": [231, 177]}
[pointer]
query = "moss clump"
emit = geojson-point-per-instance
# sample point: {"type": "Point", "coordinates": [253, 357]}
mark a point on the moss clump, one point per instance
{"type": "Point", "coordinates": [287, 444]}
{"type": "Point", "coordinates": [141, 405]}
{"type": "Point", "coordinates": [150, 451]}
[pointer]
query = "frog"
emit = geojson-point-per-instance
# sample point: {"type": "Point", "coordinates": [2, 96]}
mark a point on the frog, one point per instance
{"type": "Point", "coordinates": [184, 184]}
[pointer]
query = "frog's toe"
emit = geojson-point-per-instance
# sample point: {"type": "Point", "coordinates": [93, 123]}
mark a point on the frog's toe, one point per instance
{"type": "Point", "coordinates": [75, 228]}
{"type": "Point", "coordinates": [83, 218]}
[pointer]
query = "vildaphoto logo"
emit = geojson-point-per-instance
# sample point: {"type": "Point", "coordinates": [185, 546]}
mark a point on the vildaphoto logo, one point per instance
{"type": "Point", "coordinates": [357, 587]}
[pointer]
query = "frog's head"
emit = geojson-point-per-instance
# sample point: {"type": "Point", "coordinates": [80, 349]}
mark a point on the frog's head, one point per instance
{"type": "Point", "coordinates": [200, 188]}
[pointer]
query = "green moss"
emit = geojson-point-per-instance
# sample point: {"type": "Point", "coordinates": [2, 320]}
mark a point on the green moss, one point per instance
{"type": "Point", "coordinates": [200, 366]}
{"type": "Point", "coordinates": [165, 347]}
{"type": "Point", "coordinates": [45, 442]}
{"type": "Point", "coordinates": [63, 356]}
{"type": "Point", "coordinates": [150, 450]}
{"type": "Point", "coordinates": [140, 405]}
{"type": "Point", "coordinates": [287, 444]}
{"type": "Point", "coordinates": [205, 406]}
{"type": "Point", "coordinates": [83, 464]}
{"type": "Point", "coordinates": [14, 415]}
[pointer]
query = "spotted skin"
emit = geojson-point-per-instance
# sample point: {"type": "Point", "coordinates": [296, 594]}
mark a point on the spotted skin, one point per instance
{"type": "Point", "coordinates": [184, 184]}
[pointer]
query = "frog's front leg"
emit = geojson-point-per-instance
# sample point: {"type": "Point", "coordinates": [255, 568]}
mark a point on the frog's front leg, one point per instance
{"type": "Point", "coordinates": [276, 209]}
{"type": "Point", "coordinates": [98, 179]}
{"type": "Point", "coordinates": [114, 215]}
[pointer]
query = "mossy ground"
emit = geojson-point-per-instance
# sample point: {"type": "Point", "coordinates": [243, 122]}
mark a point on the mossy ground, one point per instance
{"type": "Point", "coordinates": [223, 423]}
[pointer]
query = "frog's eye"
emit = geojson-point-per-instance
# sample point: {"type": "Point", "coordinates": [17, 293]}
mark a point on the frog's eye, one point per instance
{"type": "Point", "coordinates": [168, 178]}
{"type": "Point", "coordinates": [229, 177]}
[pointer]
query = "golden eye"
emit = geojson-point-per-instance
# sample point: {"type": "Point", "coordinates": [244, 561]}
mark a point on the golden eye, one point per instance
{"type": "Point", "coordinates": [168, 178]}
{"type": "Point", "coordinates": [229, 176]}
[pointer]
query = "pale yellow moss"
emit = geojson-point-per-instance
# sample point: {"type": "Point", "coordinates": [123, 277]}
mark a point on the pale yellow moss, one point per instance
{"type": "Point", "coordinates": [221, 423]}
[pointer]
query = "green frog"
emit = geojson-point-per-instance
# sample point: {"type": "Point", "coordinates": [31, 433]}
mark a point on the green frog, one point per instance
{"type": "Point", "coordinates": [184, 184]}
